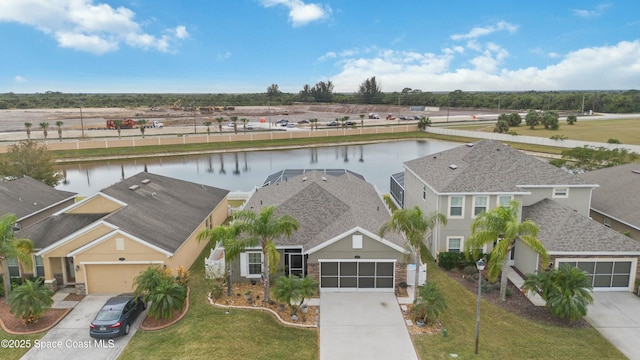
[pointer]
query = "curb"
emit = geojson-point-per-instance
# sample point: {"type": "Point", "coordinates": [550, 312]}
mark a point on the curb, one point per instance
{"type": "Point", "coordinates": [11, 332]}
{"type": "Point", "coordinates": [184, 313]}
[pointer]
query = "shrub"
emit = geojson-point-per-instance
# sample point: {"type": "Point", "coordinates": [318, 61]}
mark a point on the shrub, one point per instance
{"type": "Point", "coordinates": [502, 126]}
{"type": "Point", "coordinates": [292, 290]}
{"type": "Point", "coordinates": [429, 304]}
{"type": "Point", "coordinates": [559, 137]}
{"type": "Point", "coordinates": [217, 289]}
{"type": "Point", "coordinates": [470, 270]}
{"type": "Point", "coordinates": [513, 132]}
{"type": "Point", "coordinates": [571, 119]}
{"type": "Point", "coordinates": [30, 300]}
{"type": "Point", "coordinates": [450, 260]}
{"type": "Point", "coordinates": [613, 141]}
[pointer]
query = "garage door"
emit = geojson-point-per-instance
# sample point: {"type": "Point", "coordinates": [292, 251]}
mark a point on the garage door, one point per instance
{"type": "Point", "coordinates": [364, 275]}
{"type": "Point", "coordinates": [606, 274]}
{"type": "Point", "coordinates": [112, 278]}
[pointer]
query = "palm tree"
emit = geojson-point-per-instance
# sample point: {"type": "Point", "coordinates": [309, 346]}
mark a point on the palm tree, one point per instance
{"type": "Point", "coordinates": [10, 247]}
{"type": "Point", "coordinates": [262, 229]}
{"type": "Point", "coordinates": [30, 300]}
{"type": "Point", "coordinates": [234, 120]}
{"type": "Point", "coordinates": [414, 225]}
{"type": "Point", "coordinates": [362, 120]}
{"type": "Point", "coordinates": [567, 290]}
{"type": "Point", "coordinates": [220, 120]}
{"type": "Point", "coordinates": [59, 125]}
{"type": "Point", "coordinates": [244, 124]}
{"type": "Point", "coordinates": [428, 304]}
{"type": "Point", "coordinates": [147, 281]}
{"type": "Point", "coordinates": [167, 297]}
{"type": "Point", "coordinates": [313, 122]}
{"type": "Point", "coordinates": [343, 120]}
{"type": "Point", "coordinates": [27, 126]}
{"type": "Point", "coordinates": [208, 125]}
{"type": "Point", "coordinates": [118, 125]}
{"type": "Point", "coordinates": [292, 290]}
{"type": "Point", "coordinates": [501, 226]}
{"type": "Point", "coordinates": [227, 237]}
{"type": "Point", "coordinates": [44, 126]}
{"type": "Point", "coordinates": [143, 124]}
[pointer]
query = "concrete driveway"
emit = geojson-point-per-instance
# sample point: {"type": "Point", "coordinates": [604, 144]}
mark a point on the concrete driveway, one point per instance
{"type": "Point", "coordinates": [363, 326]}
{"type": "Point", "coordinates": [616, 315]}
{"type": "Point", "coordinates": [70, 338]}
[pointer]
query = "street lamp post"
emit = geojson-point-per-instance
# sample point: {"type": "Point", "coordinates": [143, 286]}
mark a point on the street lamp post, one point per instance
{"type": "Point", "coordinates": [81, 121]}
{"type": "Point", "coordinates": [193, 111]}
{"type": "Point", "coordinates": [480, 266]}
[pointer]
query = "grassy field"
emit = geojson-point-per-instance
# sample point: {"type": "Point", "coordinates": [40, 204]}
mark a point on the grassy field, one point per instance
{"type": "Point", "coordinates": [502, 334]}
{"type": "Point", "coordinates": [627, 131]}
{"type": "Point", "coordinates": [208, 333]}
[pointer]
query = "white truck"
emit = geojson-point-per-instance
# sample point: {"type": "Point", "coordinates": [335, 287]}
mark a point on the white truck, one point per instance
{"type": "Point", "coordinates": [156, 124]}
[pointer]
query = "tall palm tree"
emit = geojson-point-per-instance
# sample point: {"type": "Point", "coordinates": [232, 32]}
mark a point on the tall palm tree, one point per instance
{"type": "Point", "coordinates": [362, 120]}
{"type": "Point", "coordinates": [244, 124]}
{"type": "Point", "coordinates": [262, 229]}
{"type": "Point", "coordinates": [11, 247]}
{"type": "Point", "coordinates": [414, 225]}
{"type": "Point", "coordinates": [234, 120]}
{"type": "Point", "coordinates": [44, 126]}
{"type": "Point", "coordinates": [27, 126]}
{"type": "Point", "coordinates": [502, 227]}
{"type": "Point", "coordinates": [220, 120]}
{"type": "Point", "coordinates": [118, 125]}
{"type": "Point", "coordinates": [314, 122]}
{"type": "Point", "coordinates": [59, 126]}
{"type": "Point", "coordinates": [208, 125]}
{"type": "Point", "coordinates": [227, 237]}
{"type": "Point", "coordinates": [142, 123]}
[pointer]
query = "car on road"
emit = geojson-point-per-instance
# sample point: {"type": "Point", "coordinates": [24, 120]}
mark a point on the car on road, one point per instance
{"type": "Point", "coordinates": [303, 122]}
{"type": "Point", "coordinates": [248, 127]}
{"type": "Point", "coordinates": [291, 125]}
{"type": "Point", "coordinates": [116, 316]}
{"type": "Point", "coordinates": [282, 122]}
{"type": "Point", "coordinates": [332, 123]}
{"type": "Point", "coordinates": [350, 123]}
{"type": "Point", "coordinates": [230, 125]}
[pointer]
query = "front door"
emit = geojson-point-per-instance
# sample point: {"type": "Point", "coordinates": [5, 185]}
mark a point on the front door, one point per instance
{"type": "Point", "coordinates": [294, 262]}
{"type": "Point", "coordinates": [69, 270]}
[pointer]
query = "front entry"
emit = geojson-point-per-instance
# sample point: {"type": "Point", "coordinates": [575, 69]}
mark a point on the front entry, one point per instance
{"type": "Point", "coordinates": [69, 271]}
{"type": "Point", "coordinates": [294, 262]}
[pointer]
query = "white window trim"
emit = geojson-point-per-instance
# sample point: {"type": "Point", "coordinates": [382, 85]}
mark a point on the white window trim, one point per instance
{"type": "Point", "coordinates": [566, 194]}
{"type": "Point", "coordinates": [424, 193]}
{"type": "Point", "coordinates": [461, 216]}
{"type": "Point", "coordinates": [486, 205]}
{"type": "Point", "coordinates": [498, 199]}
{"type": "Point", "coordinates": [356, 242]}
{"type": "Point", "coordinates": [456, 237]}
{"type": "Point", "coordinates": [244, 265]}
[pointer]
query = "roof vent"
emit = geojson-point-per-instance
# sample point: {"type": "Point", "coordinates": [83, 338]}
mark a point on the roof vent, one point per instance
{"type": "Point", "coordinates": [304, 178]}
{"type": "Point", "coordinates": [145, 181]}
{"type": "Point", "coordinates": [453, 166]}
{"type": "Point", "coordinates": [324, 178]}
{"type": "Point", "coordinates": [134, 187]}
{"type": "Point", "coordinates": [470, 144]}
{"type": "Point", "coordinates": [635, 171]}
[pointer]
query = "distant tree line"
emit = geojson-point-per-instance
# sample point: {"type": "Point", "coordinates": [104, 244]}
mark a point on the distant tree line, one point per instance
{"type": "Point", "coordinates": [369, 92]}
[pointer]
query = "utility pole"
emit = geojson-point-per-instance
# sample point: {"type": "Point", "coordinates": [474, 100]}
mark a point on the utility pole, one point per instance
{"type": "Point", "coordinates": [81, 121]}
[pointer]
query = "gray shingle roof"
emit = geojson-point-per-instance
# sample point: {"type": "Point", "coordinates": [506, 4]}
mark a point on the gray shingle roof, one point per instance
{"type": "Point", "coordinates": [563, 230]}
{"type": "Point", "coordinates": [487, 166]}
{"type": "Point", "coordinates": [165, 211]}
{"type": "Point", "coordinates": [56, 227]}
{"type": "Point", "coordinates": [619, 193]}
{"type": "Point", "coordinates": [25, 196]}
{"type": "Point", "coordinates": [324, 209]}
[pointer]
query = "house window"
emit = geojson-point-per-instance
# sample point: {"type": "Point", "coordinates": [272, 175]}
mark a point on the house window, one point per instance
{"type": "Point", "coordinates": [454, 244]}
{"type": "Point", "coordinates": [14, 268]}
{"type": "Point", "coordinates": [479, 205]}
{"type": "Point", "coordinates": [456, 204]}
{"type": "Point", "coordinates": [254, 261]}
{"type": "Point", "coordinates": [562, 192]}
{"type": "Point", "coordinates": [424, 192]}
{"type": "Point", "coordinates": [607, 222]}
{"type": "Point", "coordinates": [504, 200]}
{"type": "Point", "coordinates": [356, 241]}
{"type": "Point", "coordinates": [39, 266]}
{"type": "Point", "coordinates": [119, 244]}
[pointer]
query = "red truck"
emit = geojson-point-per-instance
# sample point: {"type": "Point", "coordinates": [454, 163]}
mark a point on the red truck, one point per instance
{"type": "Point", "coordinates": [126, 124]}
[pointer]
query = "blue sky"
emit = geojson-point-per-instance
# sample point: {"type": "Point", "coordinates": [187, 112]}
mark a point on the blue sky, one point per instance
{"type": "Point", "coordinates": [241, 46]}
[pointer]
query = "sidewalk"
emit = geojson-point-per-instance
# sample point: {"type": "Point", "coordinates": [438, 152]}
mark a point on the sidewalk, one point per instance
{"type": "Point", "coordinates": [518, 281]}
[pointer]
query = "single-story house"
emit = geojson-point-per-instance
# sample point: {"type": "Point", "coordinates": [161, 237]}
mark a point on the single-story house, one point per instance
{"type": "Point", "coordinates": [337, 242]}
{"type": "Point", "coordinates": [100, 244]}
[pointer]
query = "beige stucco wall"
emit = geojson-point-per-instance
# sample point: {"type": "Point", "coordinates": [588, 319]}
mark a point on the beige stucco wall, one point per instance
{"type": "Point", "coordinates": [95, 205]}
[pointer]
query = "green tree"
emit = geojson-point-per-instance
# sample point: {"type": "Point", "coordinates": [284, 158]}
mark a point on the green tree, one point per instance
{"type": "Point", "coordinates": [166, 298]}
{"type": "Point", "coordinates": [572, 119]}
{"type": "Point", "coordinates": [227, 237]}
{"type": "Point", "coordinates": [344, 120]}
{"type": "Point", "coordinates": [502, 227]}
{"type": "Point", "coordinates": [262, 229]}
{"type": "Point", "coordinates": [369, 92]}
{"type": "Point", "coordinates": [423, 123]}
{"type": "Point", "coordinates": [313, 122]}
{"type": "Point", "coordinates": [142, 123]}
{"type": "Point", "coordinates": [273, 90]}
{"type": "Point", "coordinates": [44, 126]}
{"type": "Point", "coordinates": [244, 124]}
{"type": "Point", "coordinates": [567, 290]}
{"type": "Point", "coordinates": [147, 281]}
{"type": "Point", "coordinates": [208, 125]}
{"type": "Point", "coordinates": [428, 304]}
{"type": "Point", "coordinates": [502, 126]}
{"type": "Point", "coordinates": [30, 300]}
{"type": "Point", "coordinates": [514, 120]}
{"type": "Point", "coordinates": [415, 225]}
{"type": "Point", "coordinates": [532, 119]}
{"type": "Point", "coordinates": [234, 120]}
{"type": "Point", "coordinates": [12, 248]}
{"type": "Point", "coordinates": [27, 158]}
{"type": "Point", "coordinates": [118, 125]}
{"type": "Point", "coordinates": [292, 290]}
{"type": "Point", "coordinates": [59, 126]}
{"type": "Point", "coordinates": [220, 120]}
{"type": "Point", "coordinates": [28, 126]}
{"type": "Point", "coordinates": [550, 120]}
{"type": "Point", "coordinates": [362, 116]}
{"type": "Point", "coordinates": [590, 158]}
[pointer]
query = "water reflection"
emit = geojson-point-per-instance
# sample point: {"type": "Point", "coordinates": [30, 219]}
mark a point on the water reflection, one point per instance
{"type": "Point", "coordinates": [251, 168]}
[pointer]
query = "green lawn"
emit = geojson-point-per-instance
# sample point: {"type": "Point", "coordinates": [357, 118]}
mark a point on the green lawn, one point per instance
{"type": "Point", "coordinates": [502, 334]}
{"type": "Point", "coordinates": [208, 333]}
{"type": "Point", "coordinates": [627, 131]}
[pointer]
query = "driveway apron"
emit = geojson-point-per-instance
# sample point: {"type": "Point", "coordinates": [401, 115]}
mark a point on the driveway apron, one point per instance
{"type": "Point", "coordinates": [363, 326]}
{"type": "Point", "coordinates": [70, 339]}
{"type": "Point", "coordinates": [616, 315]}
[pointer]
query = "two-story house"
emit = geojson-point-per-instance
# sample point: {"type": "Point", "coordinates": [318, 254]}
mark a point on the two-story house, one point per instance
{"type": "Point", "coordinates": [469, 179]}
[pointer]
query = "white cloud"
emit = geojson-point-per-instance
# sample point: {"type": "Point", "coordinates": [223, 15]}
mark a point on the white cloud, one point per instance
{"type": "Point", "coordinates": [606, 67]}
{"type": "Point", "coordinates": [597, 11]}
{"type": "Point", "coordinates": [19, 79]}
{"type": "Point", "coordinates": [483, 31]}
{"type": "Point", "coordinates": [224, 56]}
{"type": "Point", "coordinates": [300, 13]}
{"type": "Point", "coordinates": [327, 56]}
{"type": "Point", "coordinates": [85, 26]}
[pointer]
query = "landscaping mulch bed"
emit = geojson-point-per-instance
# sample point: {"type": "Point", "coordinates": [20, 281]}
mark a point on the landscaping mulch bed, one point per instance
{"type": "Point", "coordinates": [16, 325]}
{"type": "Point", "coordinates": [257, 291]}
{"type": "Point", "coordinates": [517, 303]}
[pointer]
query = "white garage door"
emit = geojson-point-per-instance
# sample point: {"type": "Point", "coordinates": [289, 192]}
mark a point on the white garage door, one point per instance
{"type": "Point", "coordinates": [357, 275]}
{"type": "Point", "coordinates": [606, 274]}
{"type": "Point", "coordinates": [112, 278]}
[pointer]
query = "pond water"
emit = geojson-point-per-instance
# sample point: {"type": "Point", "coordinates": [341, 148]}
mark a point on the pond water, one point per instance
{"type": "Point", "coordinates": [242, 171]}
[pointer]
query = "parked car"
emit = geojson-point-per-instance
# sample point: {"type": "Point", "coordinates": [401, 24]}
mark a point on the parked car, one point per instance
{"type": "Point", "coordinates": [249, 127]}
{"type": "Point", "coordinates": [230, 124]}
{"type": "Point", "coordinates": [349, 123]}
{"type": "Point", "coordinates": [116, 316]}
{"type": "Point", "coordinates": [374, 116]}
{"type": "Point", "coordinates": [406, 117]}
{"type": "Point", "coordinates": [303, 122]}
{"type": "Point", "coordinates": [332, 123]}
{"type": "Point", "coordinates": [282, 121]}
{"type": "Point", "coordinates": [291, 125]}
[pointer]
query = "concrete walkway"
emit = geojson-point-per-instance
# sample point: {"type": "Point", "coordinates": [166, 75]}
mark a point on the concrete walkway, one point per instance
{"type": "Point", "coordinates": [363, 326]}
{"type": "Point", "coordinates": [616, 315]}
{"type": "Point", "coordinates": [518, 281]}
